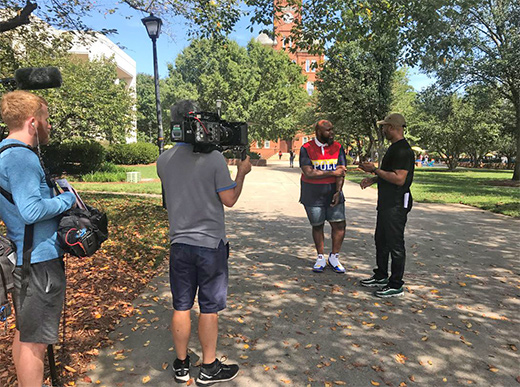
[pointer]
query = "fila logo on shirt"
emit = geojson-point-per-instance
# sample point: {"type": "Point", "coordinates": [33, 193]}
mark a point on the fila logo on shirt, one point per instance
{"type": "Point", "coordinates": [325, 165]}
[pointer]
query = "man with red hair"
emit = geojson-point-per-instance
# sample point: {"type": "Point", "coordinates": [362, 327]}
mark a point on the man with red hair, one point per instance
{"type": "Point", "coordinates": [323, 163]}
{"type": "Point", "coordinates": [30, 210]}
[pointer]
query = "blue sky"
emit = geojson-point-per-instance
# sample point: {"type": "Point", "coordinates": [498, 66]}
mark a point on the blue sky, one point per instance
{"type": "Point", "coordinates": [133, 38]}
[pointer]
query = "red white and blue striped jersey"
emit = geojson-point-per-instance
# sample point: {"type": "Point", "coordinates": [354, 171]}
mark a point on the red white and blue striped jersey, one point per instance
{"type": "Point", "coordinates": [319, 192]}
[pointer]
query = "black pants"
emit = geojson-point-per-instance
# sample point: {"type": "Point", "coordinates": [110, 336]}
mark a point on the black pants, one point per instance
{"type": "Point", "coordinates": [390, 241]}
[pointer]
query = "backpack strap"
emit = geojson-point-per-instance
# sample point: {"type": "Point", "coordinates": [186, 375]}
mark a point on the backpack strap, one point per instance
{"type": "Point", "coordinates": [28, 233]}
{"type": "Point", "coordinates": [3, 191]}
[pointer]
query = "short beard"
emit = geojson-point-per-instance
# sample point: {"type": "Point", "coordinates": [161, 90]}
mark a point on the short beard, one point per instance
{"type": "Point", "coordinates": [328, 141]}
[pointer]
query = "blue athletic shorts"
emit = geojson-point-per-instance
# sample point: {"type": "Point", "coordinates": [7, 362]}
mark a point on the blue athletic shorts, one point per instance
{"type": "Point", "coordinates": [318, 215]}
{"type": "Point", "coordinates": [202, 268]}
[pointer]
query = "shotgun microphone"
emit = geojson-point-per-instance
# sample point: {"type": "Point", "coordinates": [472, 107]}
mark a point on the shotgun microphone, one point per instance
{"type": "Point", "coordinates": [37, 78]}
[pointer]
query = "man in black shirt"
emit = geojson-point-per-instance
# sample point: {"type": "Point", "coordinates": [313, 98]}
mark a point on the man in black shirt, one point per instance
{"type": "Point", "coordinates": [394, 201]}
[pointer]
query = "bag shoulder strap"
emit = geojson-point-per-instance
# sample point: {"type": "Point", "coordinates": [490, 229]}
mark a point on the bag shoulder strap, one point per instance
{"type": "Point", "coordinates": [28, 232]}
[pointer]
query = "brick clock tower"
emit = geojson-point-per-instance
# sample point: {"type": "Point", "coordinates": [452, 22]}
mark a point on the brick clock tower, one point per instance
{"type": "Point", "coordinates": [309, 64]}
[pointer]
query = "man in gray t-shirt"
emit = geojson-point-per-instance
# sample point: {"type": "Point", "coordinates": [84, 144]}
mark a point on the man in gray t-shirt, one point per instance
{"type": "Point", "coordinates": [197, 186]}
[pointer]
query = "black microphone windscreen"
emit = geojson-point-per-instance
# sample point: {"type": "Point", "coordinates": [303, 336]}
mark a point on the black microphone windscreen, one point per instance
{"type": "Point", "coordinates": [36, 78]}
{"type": "Point", "coordinates": [180, 110]}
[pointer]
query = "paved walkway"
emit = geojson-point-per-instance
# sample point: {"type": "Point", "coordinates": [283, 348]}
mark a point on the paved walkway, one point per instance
{"type": "Point", "coordinates": [457, 324]}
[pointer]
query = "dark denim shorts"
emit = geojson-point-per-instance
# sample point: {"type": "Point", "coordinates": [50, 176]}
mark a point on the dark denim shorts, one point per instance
{"type": "Point", "coordinates": [202, 268]}
{"type": "Point", "coordinates": [38, 316]}
{"type": "Point", "coordinates": [318, 215]}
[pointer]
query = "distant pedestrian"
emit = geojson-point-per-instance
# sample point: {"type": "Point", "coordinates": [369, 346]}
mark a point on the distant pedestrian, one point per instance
{"type": "Point", "coordinates": [323, 163]}
{"type": "Point", "coordinates": [291, 159]}
{"type": "Point", "coordinates": [280, 155]}
{"type": "Point", "coordinates": [394, 201]}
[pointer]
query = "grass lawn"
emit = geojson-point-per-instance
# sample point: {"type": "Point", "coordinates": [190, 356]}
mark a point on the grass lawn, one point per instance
{"type": "Point", "coordinates": [147, 171]}
{"type": "Point", "coordinates": [466, 186]}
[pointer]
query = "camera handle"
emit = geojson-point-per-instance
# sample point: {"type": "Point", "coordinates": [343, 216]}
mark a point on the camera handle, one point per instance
{"type": "Point", "coordinates": [243, 154]}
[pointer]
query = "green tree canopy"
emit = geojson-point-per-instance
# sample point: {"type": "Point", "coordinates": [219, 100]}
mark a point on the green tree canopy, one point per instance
{"type": "Point", "coordinates": [467, 42]}
{"type": "Point", "coordinates": [256, 84]}
{"type": "Point", "coordinates": [146, 111]}
{"type": "Point", "coordinates": [91, 103]}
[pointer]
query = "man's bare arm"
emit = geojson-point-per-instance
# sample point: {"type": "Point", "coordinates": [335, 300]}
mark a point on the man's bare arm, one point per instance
{"type": "Point", "coordinates": [230, 196]}
{"type": "Point", "coordinates": [310, 173]}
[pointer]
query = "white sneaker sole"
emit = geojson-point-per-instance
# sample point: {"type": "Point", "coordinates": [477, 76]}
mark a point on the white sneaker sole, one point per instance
{"type": "Point", "coordinates": [389, 295]}
{"type": "Point", "coordinates": [181, 379]}
{"type": "Point", "coordinates": [210, 382]}
{"type": "Point", "coordinates": [374, 285]}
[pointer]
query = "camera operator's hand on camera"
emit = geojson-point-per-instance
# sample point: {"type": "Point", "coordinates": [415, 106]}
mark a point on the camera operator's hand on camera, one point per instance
{"type": "Point", "coordinates": [244, 166]}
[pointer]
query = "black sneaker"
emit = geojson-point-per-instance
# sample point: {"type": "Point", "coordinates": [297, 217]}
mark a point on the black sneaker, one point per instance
{"type": "Point", "coordinates": [216, 373]}
{"type": "Point", "coordinates": [181, 370]}
{"type": "Point", "coordinates": [373, 282]}
{"type": "Point", "coordinates": [387, 291]}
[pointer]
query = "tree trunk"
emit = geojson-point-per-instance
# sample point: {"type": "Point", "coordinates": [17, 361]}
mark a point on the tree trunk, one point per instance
{"type": "Point", "coordinates": [453, 161]}
{"type": "Point", "coordinates": [516, 173]}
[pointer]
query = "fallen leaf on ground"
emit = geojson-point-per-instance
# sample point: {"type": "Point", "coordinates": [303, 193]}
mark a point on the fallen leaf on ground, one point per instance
{"type": "Point", "coordinates": [374, 383]}
{"type": "Point", "coordinates": [400, 358]}
{"type": "Point", "coordinates": [146, 379]}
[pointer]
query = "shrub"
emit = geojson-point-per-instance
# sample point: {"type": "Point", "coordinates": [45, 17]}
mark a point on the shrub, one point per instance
{"type": "Point", "coordinates": [108, 172]}
{"type": "Point", "coordinates": [104, 177]}
{"type": "Point", "coordinates": [74, 156]}
{"type": "Point", "coordinates": [350, 160]}
{"type": "Point", "coordinates": [132, 154]}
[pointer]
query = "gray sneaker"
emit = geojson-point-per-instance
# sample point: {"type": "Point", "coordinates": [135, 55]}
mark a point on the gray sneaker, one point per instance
{"type": "Point", "coordinates": [373, 282]}
{"type": "Point", "coordinates": [387, 291]}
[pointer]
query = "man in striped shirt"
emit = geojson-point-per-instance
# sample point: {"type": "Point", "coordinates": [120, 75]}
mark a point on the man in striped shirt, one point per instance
{"type": "Point", "coordinates": [323, 163]}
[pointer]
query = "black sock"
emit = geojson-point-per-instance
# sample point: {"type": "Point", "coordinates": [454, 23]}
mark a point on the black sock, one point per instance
{"type": "Point", "coordinates": [210, 365]}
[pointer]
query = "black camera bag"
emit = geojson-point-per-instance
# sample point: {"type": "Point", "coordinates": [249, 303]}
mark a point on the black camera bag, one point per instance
{"type": "Point", "coordinates": [7, 255]}
{"type": "Point", "coordinates": [81, 232]}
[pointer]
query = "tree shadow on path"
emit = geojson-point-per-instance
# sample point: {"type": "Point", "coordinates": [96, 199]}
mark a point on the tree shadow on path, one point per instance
{"type": "Point", "coordinates": [284, 324]}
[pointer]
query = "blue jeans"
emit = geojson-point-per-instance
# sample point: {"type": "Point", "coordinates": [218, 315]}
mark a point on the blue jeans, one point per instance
{"type": "Point", "coordinates": [318, 215]}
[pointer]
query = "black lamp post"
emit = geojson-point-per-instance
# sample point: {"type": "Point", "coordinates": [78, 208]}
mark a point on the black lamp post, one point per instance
{"type": "Point", "coordinates": [153, 27]}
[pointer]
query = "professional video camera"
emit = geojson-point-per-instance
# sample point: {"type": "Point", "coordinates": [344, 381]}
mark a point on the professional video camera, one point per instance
{"type": "Point", "coordinates": [206, 130]}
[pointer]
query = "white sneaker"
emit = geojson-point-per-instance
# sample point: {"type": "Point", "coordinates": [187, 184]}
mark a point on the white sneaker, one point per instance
{"type": "Point", "coordinates": [335, 264]}
{"type": "Point", "coordinates": [320, 264]}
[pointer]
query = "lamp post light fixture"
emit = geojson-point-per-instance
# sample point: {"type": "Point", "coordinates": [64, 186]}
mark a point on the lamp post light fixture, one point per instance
{"type": "Point", "coordinates": [218, 102]}
{"type": "Point", "coordinates": [153, 27]}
